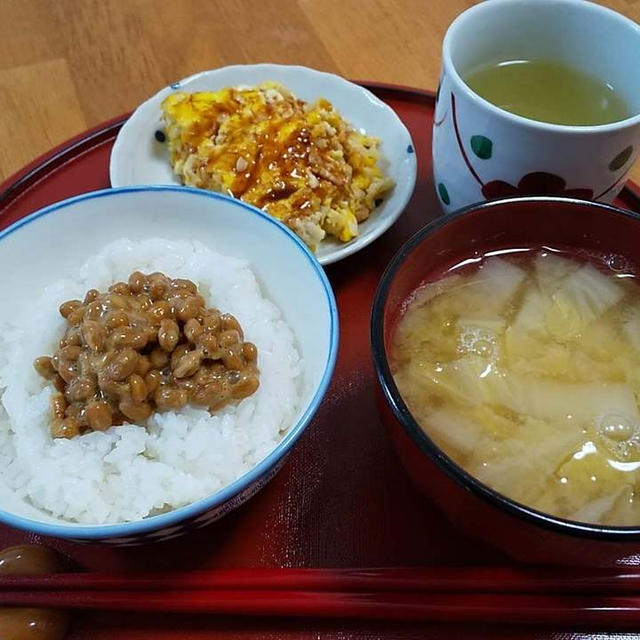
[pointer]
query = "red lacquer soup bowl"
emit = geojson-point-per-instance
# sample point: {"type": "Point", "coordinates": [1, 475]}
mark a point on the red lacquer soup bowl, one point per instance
{"type": "Point", "coordinates": [521, 531]}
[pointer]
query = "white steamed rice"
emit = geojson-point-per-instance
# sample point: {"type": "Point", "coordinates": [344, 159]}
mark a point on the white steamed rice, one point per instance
{"type": "Point", "coordinates": [129, 472]}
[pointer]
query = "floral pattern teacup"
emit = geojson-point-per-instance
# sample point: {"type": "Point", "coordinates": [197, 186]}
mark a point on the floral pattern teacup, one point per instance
{"type": "Point", "coordinates": [482, 152]}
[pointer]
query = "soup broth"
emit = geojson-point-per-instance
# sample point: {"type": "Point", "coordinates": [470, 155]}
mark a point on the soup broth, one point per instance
{"type": "Point", "coordinates": [548, 91]}
{"type": "Point", "coordinates": [525, 369]}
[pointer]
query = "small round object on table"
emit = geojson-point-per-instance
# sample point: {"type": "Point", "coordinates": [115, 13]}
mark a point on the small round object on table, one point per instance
{"type": "Point", "coordinates": [25, 623]}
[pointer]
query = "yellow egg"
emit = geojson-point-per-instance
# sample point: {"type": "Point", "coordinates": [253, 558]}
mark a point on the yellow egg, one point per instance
{"type": "Point", "coordinates": [303, 164]}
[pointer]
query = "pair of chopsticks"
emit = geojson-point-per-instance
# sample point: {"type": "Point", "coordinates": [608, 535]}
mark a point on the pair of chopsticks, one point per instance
{"type": "Point", "coordinates": [607, 598]}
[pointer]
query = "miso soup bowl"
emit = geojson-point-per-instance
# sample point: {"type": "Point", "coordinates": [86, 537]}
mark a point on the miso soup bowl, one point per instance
{"type": "Point", "coordinates": [521, 531]}
{"type": "Point", "coordinates": [52, 243]}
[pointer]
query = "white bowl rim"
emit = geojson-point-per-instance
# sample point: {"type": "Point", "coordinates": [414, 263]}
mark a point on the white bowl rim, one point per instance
{"type": "Point", "coordinates": [358, 243]}
{"type": "Point", "coordinates": [174, 517]}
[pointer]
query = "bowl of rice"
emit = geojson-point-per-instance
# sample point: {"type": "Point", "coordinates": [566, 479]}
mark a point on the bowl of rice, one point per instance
{"type": "Point", "coordinates": [178, 469]}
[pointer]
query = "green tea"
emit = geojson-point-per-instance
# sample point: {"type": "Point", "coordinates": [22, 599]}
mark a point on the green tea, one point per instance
{"type": "Point", "coordinates": [548, 91]}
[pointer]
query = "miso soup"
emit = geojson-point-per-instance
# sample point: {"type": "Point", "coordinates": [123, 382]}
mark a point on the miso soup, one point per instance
{"type": "Point", "coordinates": [525, 369]}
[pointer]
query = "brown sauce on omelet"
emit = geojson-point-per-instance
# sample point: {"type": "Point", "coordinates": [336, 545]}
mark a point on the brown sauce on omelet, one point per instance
{"type": "Point", "coordinates": [268, 169]}
{"type": "Point", "coordinates": [251, 157]}
{"type": "Point", "coordinates": [287, 161]}
{"type": "Point", "coordinates": [302, 163]}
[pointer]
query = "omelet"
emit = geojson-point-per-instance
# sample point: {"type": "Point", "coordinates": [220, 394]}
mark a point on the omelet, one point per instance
{"type": "Point", "coordinates": [301, 162]}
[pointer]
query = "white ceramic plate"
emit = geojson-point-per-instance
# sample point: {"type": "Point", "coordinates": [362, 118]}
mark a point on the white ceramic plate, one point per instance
{"type": "Point", "coordinates": [138, 158]}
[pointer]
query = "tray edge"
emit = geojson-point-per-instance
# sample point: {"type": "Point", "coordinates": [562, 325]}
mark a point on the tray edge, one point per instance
{"type": "Point", "coordinates": [19, 182]}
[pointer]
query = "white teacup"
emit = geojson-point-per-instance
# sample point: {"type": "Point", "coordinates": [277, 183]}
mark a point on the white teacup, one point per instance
{"type": "Point", "coordinates": [481, 151]}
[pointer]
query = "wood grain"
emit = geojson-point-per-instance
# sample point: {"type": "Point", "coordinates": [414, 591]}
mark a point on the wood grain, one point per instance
{"type": "Point", "coordinates": [32, 99]}
{"type": "Point", "coordinates": [66, 65]}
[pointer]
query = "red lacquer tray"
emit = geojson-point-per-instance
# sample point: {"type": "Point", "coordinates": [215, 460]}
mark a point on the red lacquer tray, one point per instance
{"type": "Point", "coordinates": [342, 499]}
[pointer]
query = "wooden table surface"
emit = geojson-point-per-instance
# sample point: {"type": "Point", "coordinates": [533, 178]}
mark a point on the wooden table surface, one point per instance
{"type": "Point", "coordinates": [67, 65]}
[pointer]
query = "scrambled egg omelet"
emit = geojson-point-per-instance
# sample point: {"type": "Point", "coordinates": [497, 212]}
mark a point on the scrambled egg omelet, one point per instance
{"type": "Point", "coordinates": [300, 162]}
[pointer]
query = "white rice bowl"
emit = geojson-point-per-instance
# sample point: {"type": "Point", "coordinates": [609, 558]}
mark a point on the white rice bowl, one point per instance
{"type": "Point", "coordinates": [129, 472]}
